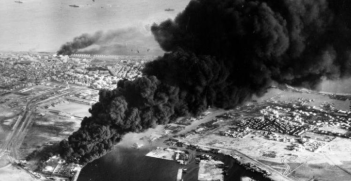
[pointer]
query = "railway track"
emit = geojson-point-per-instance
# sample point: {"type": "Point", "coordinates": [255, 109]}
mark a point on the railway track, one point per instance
{"type": "Point", "coordinates": [19, 130]}
{"type": "Point", "coordinates": [287, 167]}
{"type": "Point", "coordinates": [12, 141]}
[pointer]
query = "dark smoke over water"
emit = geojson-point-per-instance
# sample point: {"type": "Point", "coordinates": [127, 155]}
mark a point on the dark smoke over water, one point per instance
{"type": "Point", "coordinates": [127, 41]}
{"type": "Point", "coordinates": [220, 53]}
{"type": "Point", "coordinates": [80, 42]}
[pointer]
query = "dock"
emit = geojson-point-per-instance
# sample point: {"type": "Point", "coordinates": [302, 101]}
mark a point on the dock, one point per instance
{"type": "Point", "coordinates": [75, 178]}
{"type": "Point", "coordinates": [170, 154]}
{"type": "Point", "coordinates": [161, 153]}
{"type": "Point", "coordinates": [180, 174]}
{"type": "Point", "coordinates": [210, 170]}
{"type": "Point", "coordinates": [245, 159]}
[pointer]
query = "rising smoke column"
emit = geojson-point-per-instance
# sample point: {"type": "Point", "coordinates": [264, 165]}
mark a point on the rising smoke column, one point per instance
{"type": "Point", "coordinates": [82, 41]}
{"type": "Point", "coordinates": [220, 53]}
{"type": "Point", "coordinates": [295, 42]}
{"type": "Point", "coordinates": [188, 88]}
{"type": "Point", "coordinates": [107, 41]}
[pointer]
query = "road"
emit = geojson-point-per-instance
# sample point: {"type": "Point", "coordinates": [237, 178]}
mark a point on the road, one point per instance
{"type": "Point", "coordinates": [287, 167]}
{"type": "Point", "coordinates": [18, 132]}
{"type": "Point", "coordinates": [10, 146]}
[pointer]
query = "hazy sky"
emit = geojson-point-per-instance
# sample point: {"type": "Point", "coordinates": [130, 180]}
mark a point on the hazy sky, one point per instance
{"type": "Point", "coordinates": [44, 25]}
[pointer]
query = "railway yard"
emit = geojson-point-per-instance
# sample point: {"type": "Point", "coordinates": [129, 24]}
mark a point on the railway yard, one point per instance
{"type": "Point", "coordinates": [30, 123]}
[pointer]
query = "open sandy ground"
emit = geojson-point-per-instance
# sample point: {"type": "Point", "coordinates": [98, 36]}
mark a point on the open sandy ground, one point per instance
{"type": "Point", "coordinates": [12, 173]}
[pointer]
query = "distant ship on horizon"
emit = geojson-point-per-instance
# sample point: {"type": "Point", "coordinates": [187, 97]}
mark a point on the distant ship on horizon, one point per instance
{"type": "Point", "coordinates": [169, 9]}
{"type": "Point", "coordinates": [19, 2]}
{"type": "Point", "coordinates": [74, 6]}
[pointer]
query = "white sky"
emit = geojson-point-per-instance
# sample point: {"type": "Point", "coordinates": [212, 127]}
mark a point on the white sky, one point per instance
{"type": "Point", "coordinates": [44, 25]}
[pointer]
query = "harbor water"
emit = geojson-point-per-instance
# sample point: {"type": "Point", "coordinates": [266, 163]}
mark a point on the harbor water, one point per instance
{"type": "Point", "coordinates": [127, 163]}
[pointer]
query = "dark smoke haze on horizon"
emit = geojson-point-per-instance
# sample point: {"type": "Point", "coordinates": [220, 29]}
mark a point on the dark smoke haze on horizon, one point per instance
{"type": "Point", "coordinates": [220, 53]}
{"type": "Point", "coordinates": [126, 41]}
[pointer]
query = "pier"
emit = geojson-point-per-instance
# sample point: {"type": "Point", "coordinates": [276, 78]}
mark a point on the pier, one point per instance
{"type": "Point", "coordinates": [180, 174]}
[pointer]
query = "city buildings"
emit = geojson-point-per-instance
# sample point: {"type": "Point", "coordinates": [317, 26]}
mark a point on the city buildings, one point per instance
{"type": "Point", "coordinates": [18, 71]}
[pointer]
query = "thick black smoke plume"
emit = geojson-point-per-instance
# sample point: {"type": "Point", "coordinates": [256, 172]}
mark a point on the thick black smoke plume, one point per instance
{"type": "Point", "coordinates": [295, 42]}
{"type": "Point", "coordinates": [221, 52]}
{"type": "Point", "coordinates": [80, 42]}
{"type": "Point", "coordinates": [127, 41]}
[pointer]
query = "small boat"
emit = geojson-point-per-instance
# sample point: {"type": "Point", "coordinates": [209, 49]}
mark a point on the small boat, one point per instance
{"type": "Point", "coordinates": [169, 9]}
{"type": "Point", "coordinates": [74, 6]}
{"type": "Point", "coordinates": [19, 2]}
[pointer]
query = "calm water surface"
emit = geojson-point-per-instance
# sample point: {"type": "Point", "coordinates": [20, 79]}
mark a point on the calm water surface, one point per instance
{"type": "Point", "coordinates": [125, 163]}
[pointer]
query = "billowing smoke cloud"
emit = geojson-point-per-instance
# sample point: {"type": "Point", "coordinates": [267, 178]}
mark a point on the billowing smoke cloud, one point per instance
{"type": "Point", "coordinates": [220, 53]}
{"type": "Point", "coordinates": [342, 86]}
{"type": "Point", "coordinates": [128, 41]}
{"type": "Point", "coordinates": [295, 42]}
